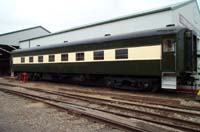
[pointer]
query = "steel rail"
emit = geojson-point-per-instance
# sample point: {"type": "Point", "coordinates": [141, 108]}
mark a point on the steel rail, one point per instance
{"type": "Point", "coordinates": [82, 110]}
{"type": "Point", "coordinates": [149, 114]}
{"type": "Point", "coordinates": [152, 114]}
{"type": "Point", "coordinates": [120, 98]}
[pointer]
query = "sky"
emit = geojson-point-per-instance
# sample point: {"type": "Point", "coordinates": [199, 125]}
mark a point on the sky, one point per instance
{"type": "Point", "coordinates": [57, 15]}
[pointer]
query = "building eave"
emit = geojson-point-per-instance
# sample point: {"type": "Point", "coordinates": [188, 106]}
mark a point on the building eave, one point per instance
{"type": "Point", "coordinates": [25, 30]}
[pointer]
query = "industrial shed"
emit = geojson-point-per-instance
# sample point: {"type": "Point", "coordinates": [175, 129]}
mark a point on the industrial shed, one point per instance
{"type": "Point", "coordinates": [185, 14]}
{"type": "Point", "coordinates": [10, 41]}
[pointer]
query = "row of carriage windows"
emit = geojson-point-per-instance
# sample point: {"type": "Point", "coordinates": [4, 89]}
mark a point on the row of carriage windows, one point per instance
{"type": "Point", "coordinates": [98, 55]}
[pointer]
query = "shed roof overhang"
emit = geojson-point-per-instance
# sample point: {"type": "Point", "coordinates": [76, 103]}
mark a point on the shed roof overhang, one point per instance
{"type": "Point", "coordinates": [6, 50]}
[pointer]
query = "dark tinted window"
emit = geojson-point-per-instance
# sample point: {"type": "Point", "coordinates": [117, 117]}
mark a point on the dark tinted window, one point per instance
{"type": "Point", "coordinates": [22, 59]}
{"type": "Point", "coordinates": [40, 58]}
{"type": "Point", "coordinates": [51, 58]}
{"type": "Point", "coordinates": [31, 59]}
{"type": "Point", "coordinates": [64, 57]}
{"type": "Point", "coordinates": [79, 56]}
{"type": "Point", "coordinates": [169, 45]}
{"type": "Point", "coordinates": [98, 55]}
{"type": "Point", "coordinates": [121, 54]}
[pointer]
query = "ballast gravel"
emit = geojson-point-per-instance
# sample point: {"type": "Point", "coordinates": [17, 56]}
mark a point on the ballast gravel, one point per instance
{"type": "Point", "coordinates": [18, 114]}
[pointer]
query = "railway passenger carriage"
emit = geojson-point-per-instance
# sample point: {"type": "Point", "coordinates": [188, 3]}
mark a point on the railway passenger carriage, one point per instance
{"type": "Point", "coordinates": [164, 57]}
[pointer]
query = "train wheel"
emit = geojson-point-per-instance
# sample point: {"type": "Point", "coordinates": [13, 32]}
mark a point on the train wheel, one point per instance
{"type": "Point", "coordinates": [155, 88]}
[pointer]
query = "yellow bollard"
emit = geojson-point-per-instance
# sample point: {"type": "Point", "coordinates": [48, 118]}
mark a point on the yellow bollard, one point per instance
{"type": "Point", "coordinates": [198, 96]}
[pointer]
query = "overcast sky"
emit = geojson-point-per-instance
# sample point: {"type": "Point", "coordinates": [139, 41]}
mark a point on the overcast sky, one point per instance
{"type": "Point", "coordinates": [56, 15]}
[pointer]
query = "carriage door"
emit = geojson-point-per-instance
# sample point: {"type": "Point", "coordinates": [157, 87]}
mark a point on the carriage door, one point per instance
{"type": "Point", "coordinates": [168, 55]}
{"type": "Point", "coordinates": [168, 64]}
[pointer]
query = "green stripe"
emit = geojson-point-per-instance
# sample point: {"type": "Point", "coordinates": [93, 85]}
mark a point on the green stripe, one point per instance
{"type": "Point", "coordinates": [139, 68]}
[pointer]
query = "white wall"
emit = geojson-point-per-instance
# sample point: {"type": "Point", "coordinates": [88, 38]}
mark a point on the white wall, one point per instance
{"type": "Point", "coordinates": [188, 16]}
{"type": "Point", "coordinates": [152, 21]}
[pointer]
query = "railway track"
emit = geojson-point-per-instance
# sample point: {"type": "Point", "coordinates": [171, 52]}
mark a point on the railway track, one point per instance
{"type": "Point", "coordinates": [149, 102]}
{"type": "Point", "coordinates": [140, 99]}
{"type": "Point", "coordinates": [147, 98]}
{"type": "Point", "coordinates": [118, 121]}
{"type": "Point", "coordinates": [125, 114]}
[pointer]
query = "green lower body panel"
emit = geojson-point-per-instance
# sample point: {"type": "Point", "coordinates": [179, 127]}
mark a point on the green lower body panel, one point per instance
{"type": "Point", "coordinates": [124, 68]}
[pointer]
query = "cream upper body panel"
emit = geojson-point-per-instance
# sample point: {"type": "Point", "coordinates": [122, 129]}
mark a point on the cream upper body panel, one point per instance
{"type": "Point", "coordinates": [145, 53]}
{"type": "Point", "coordinates": [134, 53]}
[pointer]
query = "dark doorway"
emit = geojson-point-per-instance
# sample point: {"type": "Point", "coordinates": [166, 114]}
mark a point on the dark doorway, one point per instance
{"type": "Point", "coordinates": [5, 56]}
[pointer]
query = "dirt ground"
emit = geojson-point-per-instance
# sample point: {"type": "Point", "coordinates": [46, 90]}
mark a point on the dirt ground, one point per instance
{"type": "Point", "coordinates": [22, 115]}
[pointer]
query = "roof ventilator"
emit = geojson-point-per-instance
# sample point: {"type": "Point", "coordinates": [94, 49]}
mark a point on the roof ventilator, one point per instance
{"type": "Point", "coordinates": [170, 25]}
{"type": "Point", "coordinates": [107, 35]}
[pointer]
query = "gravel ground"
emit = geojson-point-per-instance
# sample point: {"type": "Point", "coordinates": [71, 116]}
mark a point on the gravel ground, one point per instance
{"type": "Point", "coordinates": [22, 115]}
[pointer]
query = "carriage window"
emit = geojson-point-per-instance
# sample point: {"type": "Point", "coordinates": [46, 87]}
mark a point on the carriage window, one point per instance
{"type": "Point", "coordinates": [22, 59]}
{"type": "Point", "coordinates": [98, 55]}
{"type": "Point", "coordinates": [51, 58]}
{"type": "Point", "coordinates": [169, 45]}
{"type": "Point", "coordinates": [121, 54]}
{"type": "Point", "coordinates": [79, 56]}
{"type": "Point", "coordinates": [31, 59]}
{"type": "Point", "coordinates": [40, 58]}
{"type": "Point", "coordinates": [64, 57]}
